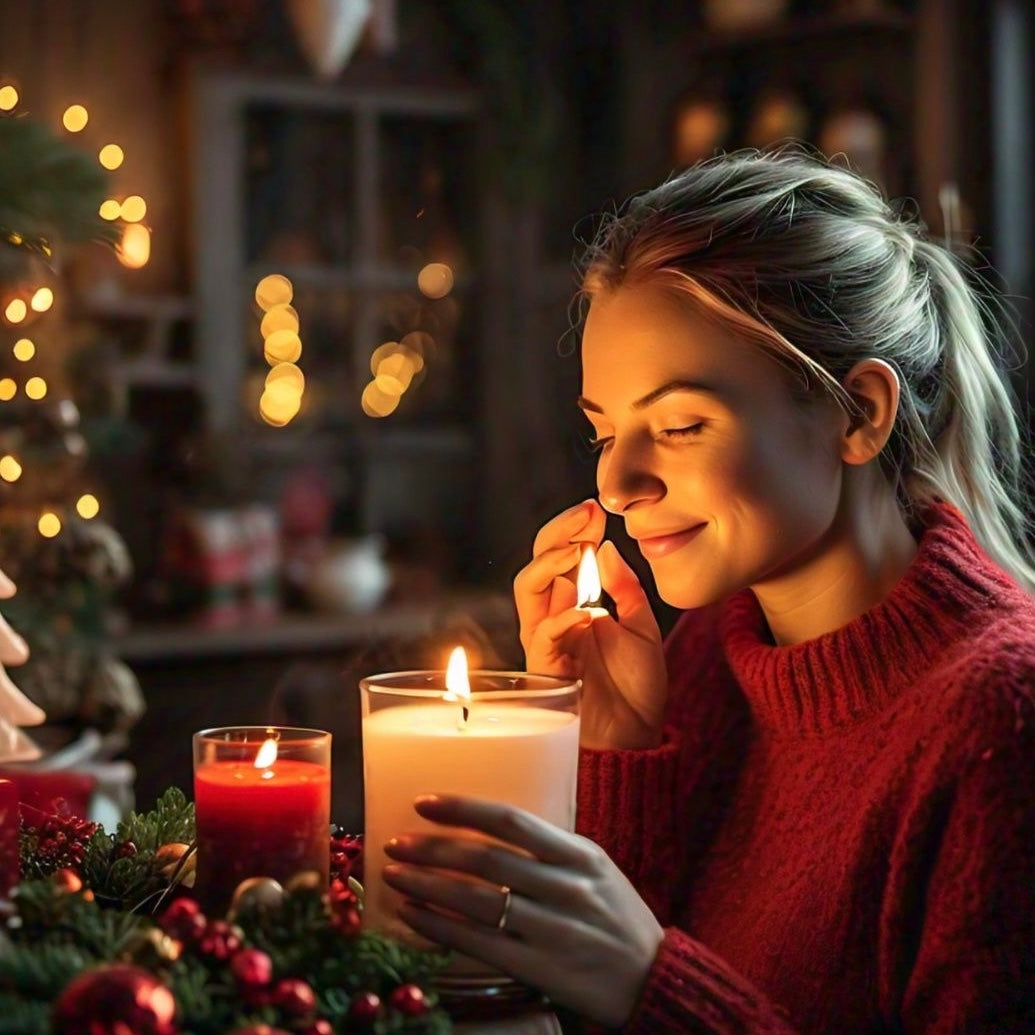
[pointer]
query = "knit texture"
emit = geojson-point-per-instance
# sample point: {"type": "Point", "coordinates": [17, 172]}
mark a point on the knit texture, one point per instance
{"type": "Point", "coordinates": [839, 836]}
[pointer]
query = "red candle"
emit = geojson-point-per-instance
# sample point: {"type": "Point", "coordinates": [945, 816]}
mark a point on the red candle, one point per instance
{"type": "Point", "coordinates": [10, 821]}
{"type": "Point", "coordinates": [256, 820]}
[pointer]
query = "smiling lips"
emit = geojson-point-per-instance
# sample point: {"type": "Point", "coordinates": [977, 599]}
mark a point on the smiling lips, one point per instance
{"type": "Point", "coordinates": [661, 545]}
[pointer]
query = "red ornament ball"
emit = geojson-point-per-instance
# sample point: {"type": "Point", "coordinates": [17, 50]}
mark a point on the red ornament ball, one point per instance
{"type": "Point", "coordinates": [409, 1000]}
{"type": "Point", "coordinates": [318, 1027]}
{"type": "Point", "coordinates": [295, 997]}
{"type": "Point", "coordinates": [252, 968]}
{"type": "Point", "coordinates": [115, 999]}
{"type": "Point", "coordinates": [347, 920]}
{"type": "Point", "coordinates": [365, 1007]}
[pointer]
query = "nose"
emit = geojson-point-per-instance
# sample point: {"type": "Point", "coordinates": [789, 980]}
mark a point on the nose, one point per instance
{"type": "Point", "coordinates": [624, 479]}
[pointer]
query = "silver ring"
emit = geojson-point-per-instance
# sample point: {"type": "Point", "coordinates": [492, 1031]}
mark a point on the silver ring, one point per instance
{"type": "Point", "coordinates": [504, 913]}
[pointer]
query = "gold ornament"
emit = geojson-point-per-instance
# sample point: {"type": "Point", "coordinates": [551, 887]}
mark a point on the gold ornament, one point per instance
{"type": "Point", "coordinates": [258, 894]}
{"type": "Point", "coordinates": [177, 862]}
{"type": "Point", "coordinates": [152, 948]}
{"type": "Point", "coordinates": [306, 880]}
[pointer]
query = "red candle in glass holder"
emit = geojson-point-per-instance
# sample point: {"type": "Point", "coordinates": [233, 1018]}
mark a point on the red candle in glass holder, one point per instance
{"type": "Point", "coordinates": [10, 821]}
{"type": "Point", "coordinates": [262, 801]}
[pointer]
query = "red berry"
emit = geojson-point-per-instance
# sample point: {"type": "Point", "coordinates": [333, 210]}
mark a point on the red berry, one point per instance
{"type": "Point", "coordinates": [409, 1000]}
{"type": "Point", "coordinates": [252, 968]}
{"type": "Point", "coordinates": [347, 921]}
{"type": "Point", "coordinates": [295, 997]}
{"type": "Point", "coordinates": [318, 1027]}
{"type": "Point", "coordinates": [219, 940]}
{"type": "Point", "coordinates": [183, 920]}
{"type": "Point", "coordinates": [365, 1007]}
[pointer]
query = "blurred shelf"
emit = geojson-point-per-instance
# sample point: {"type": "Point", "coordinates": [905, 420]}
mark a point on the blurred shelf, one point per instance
{"type": "Point", "coordinates": [288, 633]}
{"type": "Point", "coordinates": [806, 28]}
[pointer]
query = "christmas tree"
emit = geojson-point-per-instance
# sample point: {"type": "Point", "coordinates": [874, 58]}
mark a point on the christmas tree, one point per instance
{"type": "Point", "coordinates": [65, 561]}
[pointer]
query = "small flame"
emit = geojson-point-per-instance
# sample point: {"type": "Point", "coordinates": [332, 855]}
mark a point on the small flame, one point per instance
{"type": "Point", "coordinates": [267, 754]}
{"type": "Point", "coordinates": [587, 582]}
{"type": "Point", "coordinates": [458, 686]}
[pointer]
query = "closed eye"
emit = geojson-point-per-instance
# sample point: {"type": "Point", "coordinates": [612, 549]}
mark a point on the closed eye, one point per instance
{"type": "Point", "coordinates": [685, 432]}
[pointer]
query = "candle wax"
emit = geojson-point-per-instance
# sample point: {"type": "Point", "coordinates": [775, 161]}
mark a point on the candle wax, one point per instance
{"type": "Point", "coordinates": [509, 752]}
{"type": "Point", "coordinates": [252, 822]}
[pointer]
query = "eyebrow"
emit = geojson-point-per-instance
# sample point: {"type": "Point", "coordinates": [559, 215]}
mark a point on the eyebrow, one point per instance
{"type": "Point", "coordinates": [660, 392]}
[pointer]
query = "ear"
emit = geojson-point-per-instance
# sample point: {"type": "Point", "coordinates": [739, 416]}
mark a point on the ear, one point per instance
{"type": "Point", "coordinates": [873, 386]}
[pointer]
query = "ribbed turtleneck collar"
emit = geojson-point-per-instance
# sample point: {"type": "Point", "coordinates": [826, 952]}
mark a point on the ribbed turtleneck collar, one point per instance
{"type": "Point", "coordinates": [950, 587]}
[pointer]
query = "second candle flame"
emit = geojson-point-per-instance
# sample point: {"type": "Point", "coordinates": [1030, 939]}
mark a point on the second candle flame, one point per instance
{"type": "Point", "coordinates": [458, 686]}
{"type": "Point", "coordinates": [587, 581]}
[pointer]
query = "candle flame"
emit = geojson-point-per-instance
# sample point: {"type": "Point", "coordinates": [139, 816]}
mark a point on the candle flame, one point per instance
{"type": "Point", "coordinates": [267, 754]}
{"type": "Point", "coordinates": [458, 686]}
{"type": "Point", "coordinates": [587, 582]}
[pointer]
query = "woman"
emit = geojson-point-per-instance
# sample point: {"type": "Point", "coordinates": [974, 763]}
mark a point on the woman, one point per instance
{"type": "Point", "coordinates": [813, 808]}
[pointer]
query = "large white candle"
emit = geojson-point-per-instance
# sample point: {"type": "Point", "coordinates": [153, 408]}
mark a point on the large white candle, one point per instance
{"type": "Point", "coordinates": [518, 745]}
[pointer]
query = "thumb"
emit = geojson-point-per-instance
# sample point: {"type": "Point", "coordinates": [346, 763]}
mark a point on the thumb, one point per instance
{"type": "Point", "coordinates": [620, 581]}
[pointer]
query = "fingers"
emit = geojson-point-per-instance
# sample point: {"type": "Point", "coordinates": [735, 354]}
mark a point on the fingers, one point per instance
{"type": "Point", "coordinates": [583, 523]}
{"type": "Point", "coordinates": [7, 587]}
{"type": "Point", "coordinates": [509, 824]}
{"type": "Point", "coordinates": [13, 649]}
{"type": "Point", "coordinates": [622, 583]}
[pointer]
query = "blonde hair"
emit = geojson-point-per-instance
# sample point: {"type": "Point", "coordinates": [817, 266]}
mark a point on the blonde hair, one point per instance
{"type": "Point", "coordinates": [809, 261]}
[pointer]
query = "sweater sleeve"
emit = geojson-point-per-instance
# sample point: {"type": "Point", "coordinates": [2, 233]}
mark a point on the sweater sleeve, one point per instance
{"type": "Point", "coordinates": [974, 964]}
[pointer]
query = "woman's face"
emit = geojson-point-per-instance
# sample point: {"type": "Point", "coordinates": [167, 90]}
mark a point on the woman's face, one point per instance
{"type": "Point", "coordinates": [720, 474]}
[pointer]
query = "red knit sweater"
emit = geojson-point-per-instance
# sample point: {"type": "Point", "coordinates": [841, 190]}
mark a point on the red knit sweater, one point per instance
{"type": "Point", "coordinates": [839, 835]}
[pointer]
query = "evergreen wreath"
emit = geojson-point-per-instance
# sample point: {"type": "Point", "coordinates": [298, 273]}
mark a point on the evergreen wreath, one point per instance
{"type": "Point", "coordinates": [103, 936]}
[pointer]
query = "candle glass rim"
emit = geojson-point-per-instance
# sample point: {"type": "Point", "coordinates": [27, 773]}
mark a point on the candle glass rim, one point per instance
{"type": "Point", "coordinates": [294, 735]}
{"type": "Point", "coordinates": [536, 685]}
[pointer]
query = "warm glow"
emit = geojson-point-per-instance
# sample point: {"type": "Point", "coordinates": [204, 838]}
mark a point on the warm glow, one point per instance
{"type": "Point", "coordinates": [24, 349]}
{"type": "Point", "coordinates": [267, 754]}
{"type": "Point", "coordinates": [8, 388]}
{"type": "Point", "coordinates": [458, 686]}
{"type": "Point", "coordinates": [377, 403]}
{"type": "Point", "coordinates": [16, 310]}
{"type": "Point", "coordinates": [10, 469]}
{"type": "Point", "coordinates": [282, 347]}
{"type": "Point", "coordinates": [35, 388]}
{"type": "Point", "coordinates": [8, 97]}
{"type": "Point", "coordinates": [134, 208]}
{"type": "Point", "coordinates": [282, 317]}
{"type": "Point", "coordinates": [394, 374]}
{"type": "Point", "coordinates": [88, 506]}
{"type": "Point", "coordinates": [279, 406]}
{"type": "Point", "coordinates": [135, 247]}
{"type": "Point", "coordinates": [42, 300]}
{"type": "Point", "coordinates": [49, 524]}
{"type": "Point", "coordinates": [110, 210]}
{"type": "Point", "coordinates": [286, 377]}
{"type": "Point", "coordinates": [412, 357]}
{"type": "Point", "coordinates": [111, 156]}
{"type": "Point", "coordinates": [75, 118]}
{"type": "Point", "coordinates": [274, 289]}
{"type": "Point", "coordinates": [587, 582]}
{"type": "Point", "coordinates": [435, 280]}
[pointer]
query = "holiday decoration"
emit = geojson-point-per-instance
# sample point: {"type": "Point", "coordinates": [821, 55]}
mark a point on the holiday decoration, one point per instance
{"type": "Point", "coordinates": [101, 940]}
{"type": "Point", "coordinates": [65, 561]}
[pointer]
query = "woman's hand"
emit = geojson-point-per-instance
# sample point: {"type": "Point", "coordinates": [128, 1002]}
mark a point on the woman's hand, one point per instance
{"type": "Point", "coordinates": [571, 926]}
{"type": "Point", "coordinates": [620, 663]}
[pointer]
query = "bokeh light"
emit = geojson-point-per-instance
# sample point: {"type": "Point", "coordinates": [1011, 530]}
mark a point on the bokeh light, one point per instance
{"type": "Point", "coordinates": [75, 118]}
{"type": "Point", "coordinates": [288, 375]}
{"type": "Point", "coordinates": [377, 403]}
{"type": "Point", "coordinates": [8, 97]}
{"type": "Point", "coordinates": [282, 317]}
{"type": "Point", "coordinates": [49, 524]}
{"type": "Point", "coordinates": [10, 469]}
{"type": "Point", "coordinates": [111, 156]}
{"type": "Point", "coordinates": [16, 310]}
{"type": "Point", "coordinates": [110, 210]}
{"type": "Point", "coordinates": [394, 373]}
{"type": "Point", "coordinates": [282, 347]}
{"type": "Point", "coordinates": [274, 289]}
{"type": "Point", "coordinates": [24, 349]}
{"type": "Point", "coordinates": [88, 506]}
{"type": "Point", "coordinates": [134, 249]}
{"type": "Point", "coordinates": [36, 388]}
{"type": "Point", "coordinates": [42, 299]}
{"type": "Point", "coordinates": [8, 388]}
{"type": "Point", "coordinates": [435, 280]}
{"type": "Point", "coordinates": [134, 208]}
